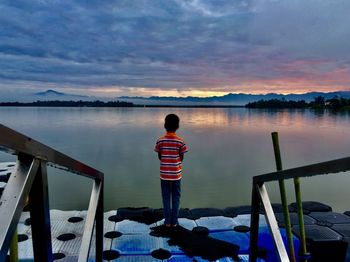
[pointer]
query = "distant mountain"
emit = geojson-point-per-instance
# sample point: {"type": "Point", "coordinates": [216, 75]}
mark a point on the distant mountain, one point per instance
{"type": "Point", "coordinates": [53, 93]}
{"type": "Point", "coordinates": [230, 99]}
{"type": "Point", "coordinates": [49, 93]}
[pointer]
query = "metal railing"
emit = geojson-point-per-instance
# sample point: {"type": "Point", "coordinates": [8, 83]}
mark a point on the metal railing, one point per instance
{"type": "Point", "coordinates": [30, 181]}
{"type": "Point", "coordinates": [260, 197]}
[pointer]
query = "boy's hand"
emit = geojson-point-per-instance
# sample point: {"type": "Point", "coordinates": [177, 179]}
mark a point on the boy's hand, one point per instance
{"type": "Point", "coordinates": [181, 156]}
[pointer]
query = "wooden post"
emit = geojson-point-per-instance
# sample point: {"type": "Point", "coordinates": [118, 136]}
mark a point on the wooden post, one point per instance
{"type": "Point", "coordinates": [283, 197]}
{"type": "Point", "coordinates": [14, 248]}
{"type": "Point", "coordinates": [305, 254]}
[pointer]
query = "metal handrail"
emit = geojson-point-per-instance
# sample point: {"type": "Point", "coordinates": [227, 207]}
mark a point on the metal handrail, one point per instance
{"type": "Point", "coordinates": [16, 143]}
{"type": "Point", "coordinates": [30, 180]}
{"type": "Point", "coordinates": [260, 196]}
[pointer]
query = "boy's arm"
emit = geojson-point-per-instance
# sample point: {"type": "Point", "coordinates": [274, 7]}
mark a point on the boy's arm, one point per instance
{"type": "Point", "coordinates": [159, 156]}
{"type": "Point", "coordinates": [183, 149]}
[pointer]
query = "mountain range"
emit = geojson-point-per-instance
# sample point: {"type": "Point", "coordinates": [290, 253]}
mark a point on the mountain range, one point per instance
{"type": "Point", "coordinates": [229, 99]}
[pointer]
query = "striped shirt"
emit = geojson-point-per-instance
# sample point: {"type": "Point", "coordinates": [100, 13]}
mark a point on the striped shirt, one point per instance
{"type": "Point", "coordinates": [170, 146]}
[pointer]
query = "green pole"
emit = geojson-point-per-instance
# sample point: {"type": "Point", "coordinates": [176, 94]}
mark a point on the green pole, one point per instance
{"type": "Point", "coordinates": [283, 194]}
{"type": "Point", "coordinates": [14, 248]}
{"type": "Point", "coordinates": [300, 217]}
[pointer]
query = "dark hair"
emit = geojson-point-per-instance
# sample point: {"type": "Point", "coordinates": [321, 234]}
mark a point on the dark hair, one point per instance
{"type": "Point", "coordinates": [171, 122]}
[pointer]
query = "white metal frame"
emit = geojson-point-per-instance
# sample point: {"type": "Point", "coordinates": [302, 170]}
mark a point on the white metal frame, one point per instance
{"type": "Point", "coordinates": [260, 197]}
{"type": "Point", "coordinates": [30, 180]}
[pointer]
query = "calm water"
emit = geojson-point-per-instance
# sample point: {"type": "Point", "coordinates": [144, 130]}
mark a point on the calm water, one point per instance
{"type": "Point", "coordinates": [227, 148]}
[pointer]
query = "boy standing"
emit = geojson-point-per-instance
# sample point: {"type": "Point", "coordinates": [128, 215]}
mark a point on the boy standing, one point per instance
{"type": "Point", "coordinates": [171, 149]}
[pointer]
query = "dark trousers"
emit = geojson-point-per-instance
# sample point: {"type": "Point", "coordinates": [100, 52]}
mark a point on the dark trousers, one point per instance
{"type": "Point", "coordinates": [171, 191]}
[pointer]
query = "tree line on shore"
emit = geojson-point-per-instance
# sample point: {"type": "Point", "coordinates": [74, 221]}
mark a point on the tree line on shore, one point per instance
{"type": "Point", "coordinates": [80, 103]}
{"type": "Point", "coordinates": [335, 103]}
{"type": "Point", "coordinates": [319, 102]}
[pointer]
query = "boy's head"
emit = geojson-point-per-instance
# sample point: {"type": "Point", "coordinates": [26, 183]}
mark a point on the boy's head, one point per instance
{"type": "Point", "coordinates": [171, 123]}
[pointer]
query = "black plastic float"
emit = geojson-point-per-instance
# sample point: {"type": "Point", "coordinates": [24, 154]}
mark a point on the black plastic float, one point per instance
{"type": "Point", "coordinates": [324, 244]}
{"type": "Point", "coordinates": [293, 219]}
{"type": "Point", "coordinates": [22, 237]}
{"type": "Point", "coordinates": [241, 229]}
{"type": "Point", "coordinates": [110, 254]}
{"type": "Point", "coordinates": [200, 231]}
{"type": "Point", "coordinates": [28, 221]}
{"type": "Point", "coordinates": [331, 217]}
{"type": "Point", "coordinates": [206, 212]}
{"type": "Point", "coordinates": [75, 219]}
{"type": "Point", "coordinates": [161, 254]}
{"type": "Point", "coordinates": [311, 206]}
{"type": "Point", "coordinates": [113, 234]}
{"type": "Point", "coordinates": [57, 256]}
{"type": "Point", "coordinates": [66, 237]}
{"type": "Point", "coordinates": [115, 218]}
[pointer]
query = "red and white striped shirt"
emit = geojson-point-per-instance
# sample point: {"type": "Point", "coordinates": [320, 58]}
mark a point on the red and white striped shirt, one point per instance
{"type": "Point", "coordinates": [170, 146]}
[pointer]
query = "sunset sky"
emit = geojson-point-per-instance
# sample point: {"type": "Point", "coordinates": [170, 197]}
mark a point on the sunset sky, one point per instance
{"type": "Point", "coordinates": [174, 47]}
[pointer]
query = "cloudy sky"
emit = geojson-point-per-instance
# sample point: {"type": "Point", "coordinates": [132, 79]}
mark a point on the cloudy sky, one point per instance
{"type": "Point", "coordinates": [174, 47]}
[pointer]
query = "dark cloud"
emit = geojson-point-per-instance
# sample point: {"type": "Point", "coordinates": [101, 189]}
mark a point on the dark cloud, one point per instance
{"type": "Point", "coordinates": [175, 44]}
{"type": "Point", "coordinates": [312, 29]}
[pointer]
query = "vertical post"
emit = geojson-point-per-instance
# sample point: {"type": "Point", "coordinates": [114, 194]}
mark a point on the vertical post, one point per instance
{"type": "Point", "coordinates": [40, 216]}
{"type": "Point", "coordinates": [254, 224]}
{"type": "Point", "coordinates": [99, 226]}
{"type": "Point", "coordinates": [305, 254]}
{"type": "Point", "coordinates": [283, 197]}
{"type": "Point", "coordinates": [14, 248]}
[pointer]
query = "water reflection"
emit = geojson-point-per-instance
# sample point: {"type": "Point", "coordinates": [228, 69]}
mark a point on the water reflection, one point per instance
{"type": "Point", "coordinates": [227, 147]}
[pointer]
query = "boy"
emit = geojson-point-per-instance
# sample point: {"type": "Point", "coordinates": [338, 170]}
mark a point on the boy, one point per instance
{"type": "Point", "coordinates": [171, 149]}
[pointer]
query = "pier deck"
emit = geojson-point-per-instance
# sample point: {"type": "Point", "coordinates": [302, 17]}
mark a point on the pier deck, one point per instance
{"type": "Point", "coordinates": [132, 234]}
{"type": "Point", "coordinates": [128, 240]}
{"type": "Point", "coordinates": [129, 234]}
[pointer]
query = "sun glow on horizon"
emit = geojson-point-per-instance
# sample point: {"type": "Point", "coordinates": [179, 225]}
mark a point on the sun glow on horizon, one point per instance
{"type": "Point", "coordinates": [254, 89]}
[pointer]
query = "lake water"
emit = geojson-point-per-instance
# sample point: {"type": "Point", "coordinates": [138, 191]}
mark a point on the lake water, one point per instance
{"type": "Point", "coordinates": [228, 146]}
